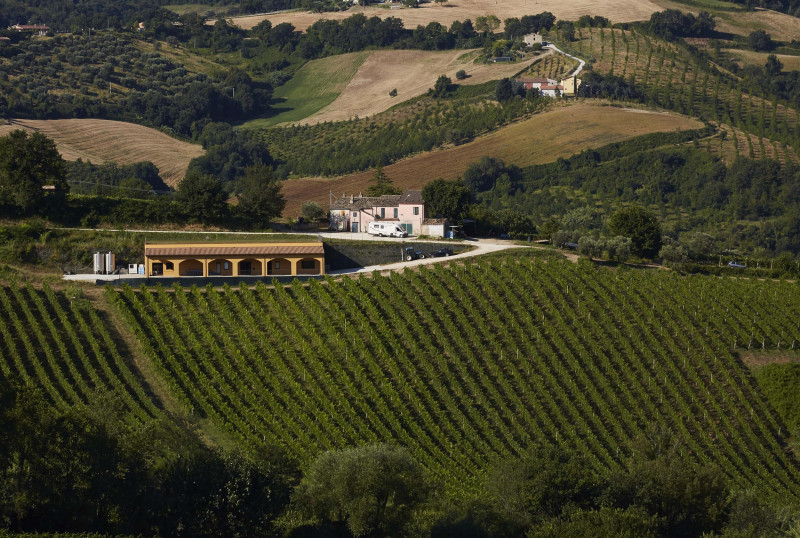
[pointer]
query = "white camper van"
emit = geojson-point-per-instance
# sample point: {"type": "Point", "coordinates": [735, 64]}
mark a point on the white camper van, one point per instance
{"type": "Point", "coordinates": [389, 229]}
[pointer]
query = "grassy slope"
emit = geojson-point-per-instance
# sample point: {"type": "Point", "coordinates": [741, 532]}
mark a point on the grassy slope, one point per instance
{"type": "Point", "coordinates": [467, 363]}
{"type": "Point", "coordinates": [750, 57]}
{"type": "Point", "coordinates": [316, 85]}
{"type": "Point", "coordinates": [543, 138]}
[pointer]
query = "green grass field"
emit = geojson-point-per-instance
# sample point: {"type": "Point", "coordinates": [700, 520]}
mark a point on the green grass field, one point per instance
{"type": "Point", "coordinates": [316, 85]}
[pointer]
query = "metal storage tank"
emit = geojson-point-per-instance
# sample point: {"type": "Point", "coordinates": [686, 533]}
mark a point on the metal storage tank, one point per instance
{"type": "Point", "coordinates": [111, 263]}
{"type": "Point", "coordinates": [99, 263]}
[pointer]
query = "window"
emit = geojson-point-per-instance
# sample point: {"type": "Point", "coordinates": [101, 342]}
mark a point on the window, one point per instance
{"type": "Point", "coordinates": [355, 214]}
{"type": "Point", "coordinates": [395, 212]}
{"type": "Point", "coordinates": [383, 212]}
{"type": "Point", "coordinates": [277, 265]}
{"type": "Point", "coordinates": [169, 266]}
{"type": "Point", "coordinates": [416, 210]}
{"type": "Point", "coordinates": [227, 266]}
{"type": "Point", "coordinates": [307, 264]}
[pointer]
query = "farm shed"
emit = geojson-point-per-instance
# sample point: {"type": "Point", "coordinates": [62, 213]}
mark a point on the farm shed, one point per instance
{"type": "Point", "coordinates": [234, 259]}
{"type": "Point", "coordinates": [434, 227]}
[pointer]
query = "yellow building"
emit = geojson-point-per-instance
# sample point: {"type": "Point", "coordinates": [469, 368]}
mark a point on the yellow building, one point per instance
{"type": "Point", "coordinates": [234, 259]}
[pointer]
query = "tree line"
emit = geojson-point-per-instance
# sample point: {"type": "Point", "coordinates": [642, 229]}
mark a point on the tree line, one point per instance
{"type": "Point", "coordinates": [89, 470]}
{"type": "Point", "coordinates": [34, 181]}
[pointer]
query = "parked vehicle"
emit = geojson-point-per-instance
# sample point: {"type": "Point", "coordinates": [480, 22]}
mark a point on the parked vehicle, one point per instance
{"type": "Point", "coordinates": [412, 254]}
{"type": "Point", "coordinates": [387, 229]}
{"type": "Point", "coordinates": [736, 265]}
{"type": "Point", "coordinates": [442, 252]}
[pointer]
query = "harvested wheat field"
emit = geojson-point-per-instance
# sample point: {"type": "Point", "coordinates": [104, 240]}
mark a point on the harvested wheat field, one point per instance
{"type": "Point", "coordinates": [541, 139]}
{"type": "Point", "coordinates": [459, 10]}
{"type": "Point", "coordinates": [101, 141]}
{"type": "Point", "coordinates": [749, 57]}
{"type": "Point", "coordinates": [411, 73]}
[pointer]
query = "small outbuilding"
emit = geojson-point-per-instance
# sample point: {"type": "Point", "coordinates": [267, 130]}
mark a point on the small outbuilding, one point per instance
{"type": "Point", "coordinates": [234, 259]}
{"type": "Point", "coordinates": [434, 227]}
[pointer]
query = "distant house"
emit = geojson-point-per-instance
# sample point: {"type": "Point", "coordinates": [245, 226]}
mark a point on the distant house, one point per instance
{"type": "Point", "coordinates": [536, 82]}
{"type": "Point", "coordinates": [552, 88]}
{"type": "Point", "coordinates": [531, 39]}
{"type": "Point", "coordinates": [38, 29]}
{"type": "Point", "coordinates": [140, 27]}
{"type": "Point", "coordinates": [354, 213]}
{"type": "Point", "coordinates": [501, 59]}
{"type": "Point", "coordinates": [4, 40]}
{"type": "Point", "coordinates": [571, 85]}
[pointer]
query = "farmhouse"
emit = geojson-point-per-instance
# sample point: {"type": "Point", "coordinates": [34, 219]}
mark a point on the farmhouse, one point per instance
{"type": "Point", "coordinates": [531, 39]}
{"type": "Point", "coordinates": [233, 259]}
{"type": "Point", "coordinates": [354, 213]}
{"type": "Point", "coordinates": [551, 88]}
{"type": "Point", "coordinates": [39, 29]}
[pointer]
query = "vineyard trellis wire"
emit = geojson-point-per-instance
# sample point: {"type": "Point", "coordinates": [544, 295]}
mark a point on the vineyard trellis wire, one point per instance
{"type": "Point", "coordinates": [474, 361]}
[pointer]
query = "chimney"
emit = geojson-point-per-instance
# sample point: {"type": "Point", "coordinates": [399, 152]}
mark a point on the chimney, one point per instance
{"type": "Point", "coordinates": [351, 198]}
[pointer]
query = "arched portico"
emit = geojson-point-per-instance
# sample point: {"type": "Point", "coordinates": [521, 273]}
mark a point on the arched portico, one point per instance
{"type": "Point", "coordinates": [279, 266]}
{"type": "Point", "coordinates": [250, 266]}
{"type": "Point", "coordinates": [308, 266]}
{"type": "Point", "coordinates": [190, 267]}
{"type": "Point", "coordinates": [220, 267]}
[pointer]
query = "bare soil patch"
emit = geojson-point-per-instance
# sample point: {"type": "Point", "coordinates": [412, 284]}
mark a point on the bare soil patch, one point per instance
{"type": "Point", "coordinates": [459, 10]}
{"type": "Point", "coordinates": [756, 359]}
{"type": "Point", "coordinates": [540, 139]}
{"type": "Point", "coordinates": [412, 73]}
{"type": "Point", "coordinates": [101, 141]}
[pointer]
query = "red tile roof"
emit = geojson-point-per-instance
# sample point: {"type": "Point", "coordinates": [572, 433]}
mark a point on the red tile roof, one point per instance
{"type": "Point", "coordinates": [236, 251]}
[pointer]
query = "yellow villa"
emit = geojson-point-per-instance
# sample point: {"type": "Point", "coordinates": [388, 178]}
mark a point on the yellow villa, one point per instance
{"type": "Point", "coordinates": [234, 259]}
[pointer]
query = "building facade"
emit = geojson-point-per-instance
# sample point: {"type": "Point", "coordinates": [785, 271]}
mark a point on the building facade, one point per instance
{"type": "Point", "coordinates": [233, 259]}
{"type": "Point", "coordinates": [354, 213]}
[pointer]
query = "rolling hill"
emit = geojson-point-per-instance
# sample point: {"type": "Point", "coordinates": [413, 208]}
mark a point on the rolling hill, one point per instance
{"type": "Point", "coordinates": [459, 10]}
{"type": "Point", "coordinates": [475, 361]}
{"type": "Point", "coordinates": [101, 141]}
{"type": "Point", "coordinates": [542, 138]}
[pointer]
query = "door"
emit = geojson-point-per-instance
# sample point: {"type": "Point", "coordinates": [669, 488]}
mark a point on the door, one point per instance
{"type": "Point", "coordinates": [244, 268]}
{"type": "Point", "coordinates": [408, 227]}
{"type": "Point", "coordinates": [158, 269]}
{"type": "Point", "coordinates": [355, 227]}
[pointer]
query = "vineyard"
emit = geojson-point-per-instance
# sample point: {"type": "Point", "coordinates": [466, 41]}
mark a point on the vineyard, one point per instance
{"type": "Point", "coordinates": [465, 363]}
{"type": "Point", "coordinates": [673, 78]}
{"type": "Point", "coordinates": [62, 346]}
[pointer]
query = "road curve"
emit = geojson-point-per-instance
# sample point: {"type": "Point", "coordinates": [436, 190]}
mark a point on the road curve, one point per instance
{"type": "Point", "coordinates": [581, 63]}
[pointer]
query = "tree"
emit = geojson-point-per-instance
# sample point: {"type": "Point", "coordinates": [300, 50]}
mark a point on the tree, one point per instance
{"type": "Point", "coordinates": [32, 172]}
{"type": "Point", "coordinates": [442, 87]}
{"type": "Point", "coordinates": [760, 40]}
{"type": "Point", "coordinates": [482, 175]}
{"type": "Point", "coordinates": [546, 482]}
{"type": "Point", "coordinates": [461, 74]}
{"type": "Point", "coordinates": [672, 251]}
{"type": "Point", "coordinates": [503, 90]}
{"type": "Point", "coordinates": [449, 199]}
{"type": "Point", "coordinates": [689, 499]}
{"type": "Point", "coordinates": [381, 184]}
{"type": "Point", "coordinates": [373, 489]}
{"type": "Point", "coordinates": [773, 67]}
{"type": "Point", "coordinates": [260, 198]}
{"type": "Point", "coordinates": [312, 211]}
{"type": "Point", "coordinates": [440, 1]}
{"type": "Point", "coordinates": [411, 3]}
{"type": "Point", "coordinates": [202, 197]}
{"type": "Point", "coordinates": [641, 226]}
